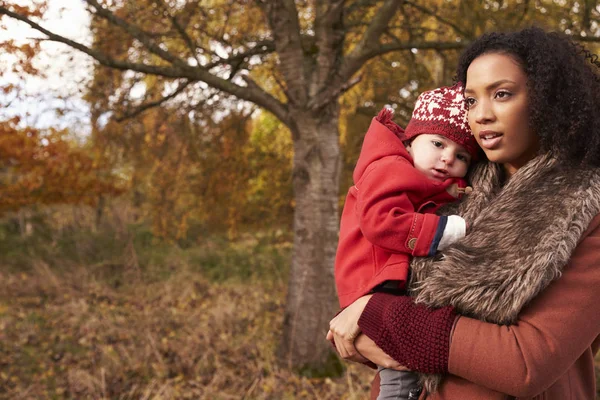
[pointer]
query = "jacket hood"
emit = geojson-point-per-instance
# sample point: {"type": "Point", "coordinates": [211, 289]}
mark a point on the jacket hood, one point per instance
{"type": "Point", "coordinates": [382, 139]}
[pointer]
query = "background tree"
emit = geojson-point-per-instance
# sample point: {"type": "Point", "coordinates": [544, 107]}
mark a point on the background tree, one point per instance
{"type": "Point", "coordinates": [294, 59]}
{"type": "Point", "coordinates": [43, 167]}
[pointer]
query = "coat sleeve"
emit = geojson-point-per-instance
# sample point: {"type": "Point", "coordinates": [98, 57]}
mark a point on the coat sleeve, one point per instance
{"type": "Point", "coordinates": [386, 214]}
{"type": "Point", "coordinates": [552, 332]}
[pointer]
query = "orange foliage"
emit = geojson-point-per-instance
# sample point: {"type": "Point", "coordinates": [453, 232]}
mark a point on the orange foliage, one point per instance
{"type": "Point", "coordinates": [35, 10]}
{"type": "Point", "coordinates": [42, 167]}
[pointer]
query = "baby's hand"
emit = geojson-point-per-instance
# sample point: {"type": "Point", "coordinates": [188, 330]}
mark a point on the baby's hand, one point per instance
{"type": "Point", "coordinates": [457, 192]}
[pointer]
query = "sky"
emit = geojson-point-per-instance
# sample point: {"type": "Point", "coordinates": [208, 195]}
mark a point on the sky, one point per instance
{"type": "Point", "coordinates": [66, 70]}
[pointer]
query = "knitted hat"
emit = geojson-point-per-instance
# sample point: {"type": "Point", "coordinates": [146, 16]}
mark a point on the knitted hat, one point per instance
{"type": "Point", "coordinates": [442, 112]}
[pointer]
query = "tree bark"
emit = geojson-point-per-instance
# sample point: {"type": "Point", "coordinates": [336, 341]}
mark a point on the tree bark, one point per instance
{"type": "Point", "coordinates": [311, 299]}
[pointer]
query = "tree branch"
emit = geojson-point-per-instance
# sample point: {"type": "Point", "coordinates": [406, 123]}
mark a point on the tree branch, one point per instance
{"type": "Point", "coordinates": [140, 109]}
{"type": "Point", "coordinates": [255, 95]}
{"type": "Point", "coordinates": [443, 20]}
{"type": "Point", "coordinates": [282, 17]}
{"type": "Point", "coordinates": [325, 99]}
{"type": "Point", "coordinates": [263, 47]}
{"type": "Point", "coordinates": [357, 5]}
{"type": "Point", "coordinates": [192, 47]}
{"type": "Point", "coordinates": [375, 29]}
{"type": "Point", "coordinates": [370, 40]}
{"type": "Point", "coordinates": [329, 33]}
{"type": "Point", "coordinates": [352, 66]}
{"type": "Point", "coordinates": [136, 33]}
{"type": "Point", "coordinates": [170, 72]}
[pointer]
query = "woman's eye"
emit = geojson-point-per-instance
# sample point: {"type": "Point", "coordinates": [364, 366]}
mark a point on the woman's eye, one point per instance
{"type": "Point", "coordinates": [502, 94]}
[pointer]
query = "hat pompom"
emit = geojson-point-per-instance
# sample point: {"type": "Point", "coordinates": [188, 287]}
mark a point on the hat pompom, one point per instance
{"type": "Point", "coordinates": [385, 118]}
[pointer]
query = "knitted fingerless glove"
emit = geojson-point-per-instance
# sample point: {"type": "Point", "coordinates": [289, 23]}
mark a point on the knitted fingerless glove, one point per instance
{"type": "Point", "coordinates": [414, 335]}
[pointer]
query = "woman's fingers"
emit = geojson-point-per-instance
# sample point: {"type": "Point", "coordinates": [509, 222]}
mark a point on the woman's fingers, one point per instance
{"type": "Point", "coordinates": [345, 324]}
{"type": "Point", "coordinates": [343, 330]}
{"type": "Point", "coordinates": [329, 335]}
{"type": "Point", "coordinates": [367, 348]}
{"type": "Point", "coordinates": [345, 347]}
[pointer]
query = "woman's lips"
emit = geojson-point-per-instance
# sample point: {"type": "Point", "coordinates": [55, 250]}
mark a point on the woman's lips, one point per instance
{"type": "Point", "coordinates": [490, 139]}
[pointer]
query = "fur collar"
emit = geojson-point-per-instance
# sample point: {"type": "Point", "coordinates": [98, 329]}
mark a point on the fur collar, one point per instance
{"type": "Point", "coordinates": [521, 236]}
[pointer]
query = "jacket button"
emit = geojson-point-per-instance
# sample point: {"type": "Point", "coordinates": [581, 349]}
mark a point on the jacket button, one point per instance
{"type": "Point", "coordinates": [412, 243]}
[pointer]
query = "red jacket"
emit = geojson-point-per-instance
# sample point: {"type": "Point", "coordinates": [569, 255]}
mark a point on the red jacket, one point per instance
{"type": "Point", "coordinates": [388, 215]}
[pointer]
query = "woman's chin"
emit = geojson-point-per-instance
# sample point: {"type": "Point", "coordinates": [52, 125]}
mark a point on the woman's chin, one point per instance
{"type": "Point", "coordinates": [496, 157]}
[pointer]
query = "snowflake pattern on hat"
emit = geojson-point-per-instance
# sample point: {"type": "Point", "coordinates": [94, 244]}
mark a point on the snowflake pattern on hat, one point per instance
{"type": "Point", "coordinates": [442, 112]}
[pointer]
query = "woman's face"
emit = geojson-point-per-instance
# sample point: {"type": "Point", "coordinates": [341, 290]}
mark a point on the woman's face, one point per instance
{"type": "Point", "coordinates": [498, 110]}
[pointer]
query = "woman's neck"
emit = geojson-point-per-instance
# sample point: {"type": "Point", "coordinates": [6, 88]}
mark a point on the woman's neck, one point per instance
{"type": "Point", "coordinates": [509, 170]}
{"type": "Point", "coordinates": [511, 167]}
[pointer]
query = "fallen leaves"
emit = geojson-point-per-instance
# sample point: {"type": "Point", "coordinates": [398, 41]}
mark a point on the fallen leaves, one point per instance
{"type": "Point", "coordinates": [183, 338]}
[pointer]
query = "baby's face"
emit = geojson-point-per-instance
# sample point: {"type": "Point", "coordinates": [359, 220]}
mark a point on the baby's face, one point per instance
{"type": "Point", "coordinates": [438, 157]}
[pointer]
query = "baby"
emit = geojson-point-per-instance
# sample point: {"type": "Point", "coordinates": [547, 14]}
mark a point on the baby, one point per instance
{"type": "Point", "coordinates": [402, 177]}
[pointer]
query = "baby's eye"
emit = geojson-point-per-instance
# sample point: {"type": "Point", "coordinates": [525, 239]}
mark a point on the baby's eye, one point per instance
{"type": "Point", "coordinates": [437, 143]}
{"type": "Point", "coordinates": [463, 158]}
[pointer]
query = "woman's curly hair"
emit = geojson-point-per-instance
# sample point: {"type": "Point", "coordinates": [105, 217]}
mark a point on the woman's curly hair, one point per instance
{"type": "Point", "coordinates": [564, 89]}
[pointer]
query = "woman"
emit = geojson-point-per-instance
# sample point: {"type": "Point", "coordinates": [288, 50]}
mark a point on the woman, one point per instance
{"type": "Point", "coordinates": [512, 308]}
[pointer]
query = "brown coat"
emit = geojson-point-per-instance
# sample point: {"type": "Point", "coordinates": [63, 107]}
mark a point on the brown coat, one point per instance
{"type": "Point", "coordinates": [531, 268]}
{"type": "Point", "coordinates": [548, 354]}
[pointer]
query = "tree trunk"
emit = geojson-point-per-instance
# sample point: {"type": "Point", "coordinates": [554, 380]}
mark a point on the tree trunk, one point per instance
{"type": "Point", "coordinates": [99, 212]}
{"type": "Point", "coordinates": [311, 298]}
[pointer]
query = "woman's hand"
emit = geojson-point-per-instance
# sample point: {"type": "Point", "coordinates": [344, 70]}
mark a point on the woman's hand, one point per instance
{"type": "Point", "coordinates": [343, 329]}
{"type": "Point", "coordinates": [369, 350]}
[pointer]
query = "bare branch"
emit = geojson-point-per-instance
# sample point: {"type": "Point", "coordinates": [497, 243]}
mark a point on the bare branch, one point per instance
{"type": "Point", "coordinates": [369, 43]}
{"type": "Point", "coordinates": [329, 33]}
{"type": "Point", "coordinates": [263, 47]}
{"type": "Point", "coordinates": [254, 87]}
{"type": "Point", "coordinates": [323, 100]}
{"type": "Point", "coordinates": [102, 58]}
{"type": "Point", "coordinates": [441, 19]}
{"type": "Point", "coordinates": [352, 66]}
{"type": "Point", "coordinates": [255, 95]}
{"type": "Point", "coordinates": [282, 17]}
{"type": "Point", "coordinates": [395, 39]}
{"type": "Point", "coordinates": [357, 5]}
{"type": "Point", "coordinates": [374, 31]}
{"type": "Point", "coordinates": [140, 109]}
{"type": "Point", "coordinates": [136, 33]}
{"type": "Point", "coordinates": [192, 46]}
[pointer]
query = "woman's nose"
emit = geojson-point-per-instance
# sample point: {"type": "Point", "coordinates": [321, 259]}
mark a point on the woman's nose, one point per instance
{"type": "Point", "coordinates": [483, 112]}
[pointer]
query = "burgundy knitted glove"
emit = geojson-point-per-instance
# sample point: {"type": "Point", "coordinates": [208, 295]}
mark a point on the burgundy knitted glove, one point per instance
{"type": "Point", "coordinates": [414, 335]}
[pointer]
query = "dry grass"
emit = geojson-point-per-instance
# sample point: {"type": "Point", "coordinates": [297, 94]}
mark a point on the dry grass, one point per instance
{"type": "Point", "coordinates": [71, 335]}
{"type": "Point", "coordinates": [169, 324]}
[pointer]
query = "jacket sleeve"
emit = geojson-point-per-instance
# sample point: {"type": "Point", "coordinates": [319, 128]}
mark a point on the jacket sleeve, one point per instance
{"type": "Point", "coordinates": [386, 214]}
{"type": "Point", "coordinates": [552, 332]}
